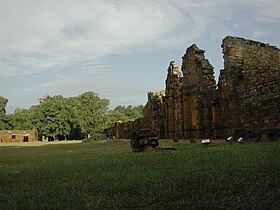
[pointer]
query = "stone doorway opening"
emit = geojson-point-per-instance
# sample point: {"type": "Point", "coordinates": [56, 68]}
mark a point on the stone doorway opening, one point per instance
{"type": "Point", "coordinates": [25, 139]}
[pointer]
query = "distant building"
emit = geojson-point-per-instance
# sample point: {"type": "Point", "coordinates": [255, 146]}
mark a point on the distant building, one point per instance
{"type": "Point", "coordinates": [18, 135]}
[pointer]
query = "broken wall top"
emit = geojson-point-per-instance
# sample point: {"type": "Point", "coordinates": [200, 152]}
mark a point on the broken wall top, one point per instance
{"type": "Point", "coordinates": [173, 69]}
{"type": "Point", "coordinates": [198, 72]}
{"type": "Point", "coordinates": [173, 81]}
{"type": "Point", "coordinates": [251, 61]}
{"type": "Point", "coordinates": [153, 106]}
{"type": "Point", "coordinates": [243, 52]}
{"type": "Point", "coordinates": [249, 85]}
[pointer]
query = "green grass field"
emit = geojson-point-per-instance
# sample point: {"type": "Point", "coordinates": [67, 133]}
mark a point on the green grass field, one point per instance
{"type": "Point", "coordinates": [107, 175]}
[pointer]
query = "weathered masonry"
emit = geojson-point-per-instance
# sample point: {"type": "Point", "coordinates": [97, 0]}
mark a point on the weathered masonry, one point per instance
{"type": "Point", "coordinates": [18, 135]}
{"type": "Point", "coordinates": [249, 88]}
{"type": "Point", "coordinates": [245, 102]}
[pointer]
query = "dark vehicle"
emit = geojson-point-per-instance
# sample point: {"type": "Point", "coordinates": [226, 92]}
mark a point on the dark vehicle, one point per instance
{"type": "Point", "coordinates": [144, 140]}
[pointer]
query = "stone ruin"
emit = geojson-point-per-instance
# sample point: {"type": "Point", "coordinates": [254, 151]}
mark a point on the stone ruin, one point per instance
{"type": "Point", "coordinates": [18, 135]}
{"type": "Point", "coordinates": [245, 102]}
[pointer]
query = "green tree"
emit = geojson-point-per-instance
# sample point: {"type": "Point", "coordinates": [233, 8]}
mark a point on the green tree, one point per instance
{"type": "Point", "coordinates": [122, 113]}
{"type": "Point", "coordinates": [22, 119]}
{"type": "Point", "coordinates": [59, 117]}
{"type": "Point", "coordinates": [4, 119]}
{"type": "Point", "coordinates": [134, 112]}
{"type": "Point", "coordinates": [3, 104]}
{"type": "Point", "coordinates": [53, 117]}
{"type": "Point", "coordinates": [91, 113]}
{"type": "Point", "coordinates": [4, 122]}
{"type": "Point", "coordinates": [64, 118]}
{"type": "Point", "coordinates": [117, 114]}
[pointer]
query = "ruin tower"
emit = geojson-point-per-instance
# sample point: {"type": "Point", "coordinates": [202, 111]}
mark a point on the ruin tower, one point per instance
{"type": "Point", "coordinates": [198, 89]}
{"type": "Point", "coordinates": [172, 102]}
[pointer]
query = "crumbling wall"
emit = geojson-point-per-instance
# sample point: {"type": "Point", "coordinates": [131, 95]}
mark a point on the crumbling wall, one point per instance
{"type": "Point", "coordinates": [172, 102]}
{"type": "Point", "coordinates": [153, 114]}
{"type": "Point", "coordinates": [153, 118]}
{"type": "Point", "coordinates": [245, 103]}
{"type": "Point", "coordinates": [198, 91]}
{"type": "Point", "coordinates": [249, 87]}
{"type": "Point", "coordinates": [18, 135]}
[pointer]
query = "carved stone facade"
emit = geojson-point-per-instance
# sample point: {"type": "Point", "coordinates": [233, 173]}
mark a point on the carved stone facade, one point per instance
{"type": "Point", "coordinates": [246, 101]}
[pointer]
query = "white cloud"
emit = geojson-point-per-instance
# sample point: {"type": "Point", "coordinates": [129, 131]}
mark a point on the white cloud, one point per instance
{"type": "Point", "coordinates": [38, 35]}
{"type": "Point", "coordinates": [46, 36]}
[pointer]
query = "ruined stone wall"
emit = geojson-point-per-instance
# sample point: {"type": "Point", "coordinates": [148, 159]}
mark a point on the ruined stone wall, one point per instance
{"type": "Point", "coordinates": [172, 102]}
{"type": "Point", "coordinates": [153, 113]}
{"type": "Point", "coordinates": [246, 101]}
{"type": "Point", "coordinates": [123, 130]}
{"type": "Point", "coordinates": [153, 118]}
{"type": "Point", "coordinates": [198, 91]}
{"type": "Point", "coordinates": [110, 132]}
{"type": "Point", "coordinates": [249, 87]}
{"type": "Point", "coordinates": [18, 135]}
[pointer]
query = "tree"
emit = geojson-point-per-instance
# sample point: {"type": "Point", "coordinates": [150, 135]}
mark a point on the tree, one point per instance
{"type": "Point", "coordinates": [3, 104]}
{"type": "Point", "coordinates": [122, 113]}
{"type": "Point", "coordinates": [54, 116]}
{"type": "Point", "coordinates": [4, 122]}
{"type": "Point", "coordinates": [60, 117]}
{"type": "Point", "coordinates": [117, 114]}
{"type": "Point", "coordinates": [91, 113]}
{"type": "Point", "coordinates": [38, 119]}
{"type": "Point", "coordinates": [22, 119]}
{"type": "Point", "coordinates": [134, 112]}
{"type": "Point", "coordinates": [4, 119]}
{"type": "Point", "coordinates": [67, 118]}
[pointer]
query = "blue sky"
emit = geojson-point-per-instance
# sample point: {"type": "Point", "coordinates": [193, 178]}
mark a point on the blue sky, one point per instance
{"type": "Point", "coordinates": [119, 49]}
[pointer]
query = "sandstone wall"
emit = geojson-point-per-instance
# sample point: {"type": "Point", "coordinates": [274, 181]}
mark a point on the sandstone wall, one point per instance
{"type": "Point", "coordinates": [153, 118]}
{"type": "Point", "coordinates": [246, 101]}
{"type": "Point", "coordinates": [249, 87]}
{"type": "Point", "coordinates": [153, 114]}
{"type": "Point", "coordinates": [198, 91]}
{"type": "Point", "coordinates": [172, 102]}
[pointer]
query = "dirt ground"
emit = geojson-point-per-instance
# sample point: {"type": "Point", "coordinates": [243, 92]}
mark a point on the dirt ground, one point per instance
{"type": "Point", "coordinates": [37, 143]}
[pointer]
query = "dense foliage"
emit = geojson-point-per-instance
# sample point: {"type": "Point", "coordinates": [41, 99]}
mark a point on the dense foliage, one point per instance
{"type": "Point", "coordinates": [122, 113]}
{"type": "Point", "coordinates": [4, 122]}
{"type": "Point", "coordinates": [59, 118]}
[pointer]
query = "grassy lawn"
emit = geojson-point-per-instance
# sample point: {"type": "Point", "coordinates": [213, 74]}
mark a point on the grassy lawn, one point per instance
{"type": "Point", "coordinates": [107, 175]}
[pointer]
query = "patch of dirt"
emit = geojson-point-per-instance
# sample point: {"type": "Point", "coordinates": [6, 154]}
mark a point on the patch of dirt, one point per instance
{"type": "Point", "coordinates": [36, 143]}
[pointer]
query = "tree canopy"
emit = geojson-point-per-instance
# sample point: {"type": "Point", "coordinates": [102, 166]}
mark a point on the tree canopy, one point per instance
{"type": "Point", "coordinates": [4, 121]}
{"type": "Point", "coordinates": [59, 118]}
{"type": "Point", "coordinates": [3, 104]}
{"type": "Point", "coordinates": [122, 113]}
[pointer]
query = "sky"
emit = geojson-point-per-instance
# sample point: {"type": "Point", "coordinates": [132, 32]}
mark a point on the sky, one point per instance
{"type": "Point", "coordinates": [119, 49]}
